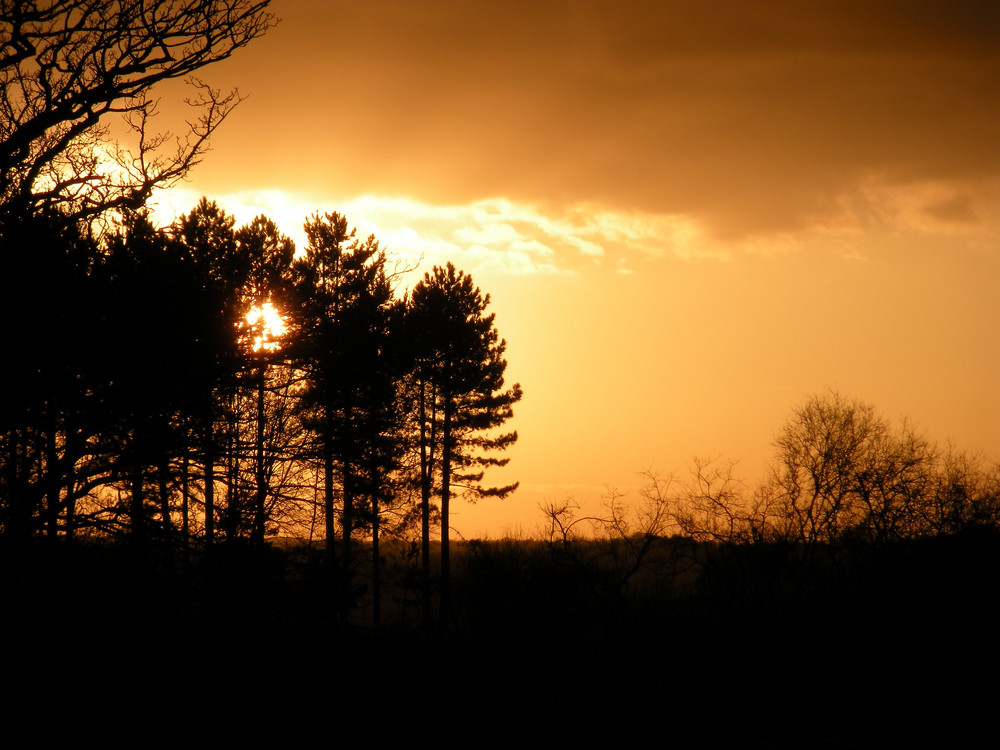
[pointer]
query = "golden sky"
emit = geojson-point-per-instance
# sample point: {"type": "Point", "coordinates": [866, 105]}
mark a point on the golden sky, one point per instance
{"type": "Point", "coordinates": [689, 216]}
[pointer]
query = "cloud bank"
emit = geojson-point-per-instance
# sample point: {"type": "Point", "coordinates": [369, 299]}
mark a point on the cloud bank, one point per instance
{"type": "Point", "coordinates": [724, 122]}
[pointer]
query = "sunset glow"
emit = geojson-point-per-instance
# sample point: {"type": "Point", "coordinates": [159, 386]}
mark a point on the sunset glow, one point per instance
{"type": "Point", "coordinates": [687, 220]}
{"type": "Point", "coordinates": [578, 365]}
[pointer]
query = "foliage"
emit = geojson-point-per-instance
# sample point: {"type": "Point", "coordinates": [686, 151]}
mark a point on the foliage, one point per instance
{"type": "Point", "coordinates": [459, 355]}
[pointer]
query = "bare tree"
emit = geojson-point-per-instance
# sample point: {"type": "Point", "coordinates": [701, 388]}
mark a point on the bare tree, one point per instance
{"type": "Point", "coordinates": [622, 540]}
{"type": "Point", "coordinates": [66, 66]}
{"type": "Point", "coordinates": [843, 467]}
{"type": "Point", "coordinates": [713, 506]}
{"type": "Point", "coordinates": [966, 493]}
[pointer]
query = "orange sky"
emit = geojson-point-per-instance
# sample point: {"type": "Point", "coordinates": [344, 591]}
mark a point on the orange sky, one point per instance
{"type": "Point", "coordinates": [689, 215]}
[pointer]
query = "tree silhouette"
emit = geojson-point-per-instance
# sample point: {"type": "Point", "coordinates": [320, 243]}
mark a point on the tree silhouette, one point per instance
{"type": "Point", "coordinates": [50, 411]}
{"type": "Point", "coordinates": [66, 66]}
{"type": "Point", "coordinates": [139, 275]}
{"type": "Point", "coordinates": [341, 323]}
{"type": "Point", "coordinates": [460, 366]}
{"type": "Point", "coordinates": [265, 257]}
{"type": "Point", "coordinates": [841, 466]}
{"type": "Point", "coordinates": [247, 420]}
{"type": "Point", "coordinates": [208, 238]}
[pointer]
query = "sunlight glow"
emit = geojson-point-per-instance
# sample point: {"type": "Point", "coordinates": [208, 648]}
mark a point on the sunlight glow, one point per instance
{"type": "Point", "coordinates": [266, 326]}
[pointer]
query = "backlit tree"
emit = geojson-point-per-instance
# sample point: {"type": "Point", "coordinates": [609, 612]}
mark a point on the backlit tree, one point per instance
{"type": "Point", "coordinates": [69, 68]}
{"type": "Point", "coordinates": [462, 400]}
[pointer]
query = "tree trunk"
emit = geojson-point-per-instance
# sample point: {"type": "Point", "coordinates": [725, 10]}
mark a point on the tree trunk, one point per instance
{"type": "Point", "coordinates": [185, 510]}
{"type": "Point", "coordinates": [52, 482]}
{"type": "Point", "coordinates": [446, 440]}
{"type": "Point", "coordinates": [328, 494]}
{"type": "Point", "coordinates": [136, 510]}
{"type": "Point", "coordinates": [376, 565]}
{"type": "Point", "coordinates": [257, 531]}
{"type": "Point", "coordinates": [167, 524]}
{"type": "Point", "coordinates": [209, 451]}
{"type": "Point", "coordinates": [346, 521]}
{"type": "Point", "coordinates": [426, 467]}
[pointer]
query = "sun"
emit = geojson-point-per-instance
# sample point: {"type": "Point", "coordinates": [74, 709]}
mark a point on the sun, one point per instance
{"type": "Point", "coordinates": [266, 327]}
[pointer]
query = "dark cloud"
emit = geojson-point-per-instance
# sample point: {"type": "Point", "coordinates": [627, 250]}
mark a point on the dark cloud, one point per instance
{"type": "Point", "coordinates": [751, 116]}
{"type": "Point", "coordinates": [959, 209]}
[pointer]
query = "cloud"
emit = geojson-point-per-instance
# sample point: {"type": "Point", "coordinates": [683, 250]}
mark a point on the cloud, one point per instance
{"type": "Point", "coordinates": [496, 234]}
{"type": "Point", "coordinates": [738, 119]}
{"type": "Point", "coordinates": [964, 210]}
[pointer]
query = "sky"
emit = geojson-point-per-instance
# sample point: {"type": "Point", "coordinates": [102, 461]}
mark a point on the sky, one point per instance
{"type": "Point", "coordinates": [689, 216]}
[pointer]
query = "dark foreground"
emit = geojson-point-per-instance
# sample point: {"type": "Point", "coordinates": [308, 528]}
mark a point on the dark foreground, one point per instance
{"type": "Point", "coordinates": [761, 648]}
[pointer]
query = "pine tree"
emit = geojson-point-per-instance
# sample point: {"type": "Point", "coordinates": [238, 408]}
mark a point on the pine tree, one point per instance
{"type": "Point", "coordinates": [459, 367]}
{"type": "Point", "coordinates": [342, 340]}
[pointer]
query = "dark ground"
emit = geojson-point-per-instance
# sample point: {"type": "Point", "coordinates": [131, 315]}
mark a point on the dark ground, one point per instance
{"type": "Point", "coordinates": [902, 649]}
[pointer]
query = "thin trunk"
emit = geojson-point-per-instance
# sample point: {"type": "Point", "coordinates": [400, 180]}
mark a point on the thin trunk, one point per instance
{"type": "Point", "coordinates": [52, 482]}
{"type": "Point", "coordinates": [376, 564]}
{"type": "Point", "coordinates": [347, 515]}
{"type": "Point", "coordinates": [185, 509]}
{"type": "Point", "coordinates": [71, 501]}
{"type": "Point", "coordinates": [446, 440]}
{"type": "Point", "coordinates": [257, 530]}
{"type": "Point", "coordinates": [328, 494]}
{"type": "Point", "coordinates": [209, 451]}
{"type": "Point", "coordinates": [345, 529]}
{"type": "Point", "coordinates": [136, 502]}
{"type": "Point", "coordinates": [425, 508]}
{"type": "Point", "coordinates": [167, 525]}
{"type": "Point", "coordinates": [315, 505]}
{"type": "Point", "coordinates": [231, 516]}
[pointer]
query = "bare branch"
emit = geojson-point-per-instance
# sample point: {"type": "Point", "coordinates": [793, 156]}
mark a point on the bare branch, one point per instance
{"type": "Point", "coordinates": [65, 66]}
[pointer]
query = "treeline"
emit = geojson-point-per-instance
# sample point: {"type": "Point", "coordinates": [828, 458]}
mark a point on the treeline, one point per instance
{"type": "Point", "coordinates": [867, 547]}
{"type": "Point", "coordinates": [204, 384]}
{"type": "Point", "coordinates": [149, 394]}
{"type": "Point", "coordinates": [848, 596]}
{"type": "Point", "coordinates": [841, 473]}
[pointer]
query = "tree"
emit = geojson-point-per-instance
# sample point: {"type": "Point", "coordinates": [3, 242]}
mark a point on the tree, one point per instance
{"type": "Point", "coordinates": [459, 367]}
{"type": "Point", "coordinates": [843, 467]}
{"type": "Point", "coordinates": [66, 66]}
{"type": "Point", "coordinates": [341, 324]}
{"type": "Point", "coordinates": [712, 507]}
{"type": "Point", "coordinates": [207, 236]}
{"type": "Point", "coordinates": [51, 409]}
{"type": "Point", "coordinates": [622, 540]}
{"type": "Point", "coordinates": [966, 494]}
{"type": "Point", "coordinates": [145, 377]}
{"type": "Point", "coordinates": [265, 258]}
{"type": "Point", "coordinates": [246, 417]}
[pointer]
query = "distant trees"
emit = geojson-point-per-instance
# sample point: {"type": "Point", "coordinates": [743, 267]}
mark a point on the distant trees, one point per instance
{"type": "Point", "coordinates": [843, 471]}
{"type": "Point", "coordinates": [965, 494]}
{"type": "Point", "coordinates": [616, 545]}
{"type": "Point", "coordinates": [66, 66]}
{"type": "Point", "coordinates": [842, 468]}
{"type": "Point", "coordinates": [850, 503]}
